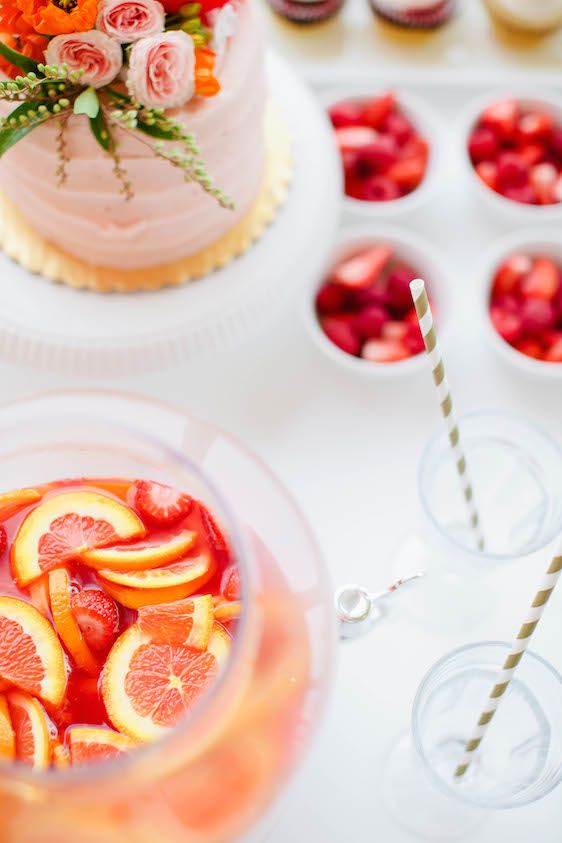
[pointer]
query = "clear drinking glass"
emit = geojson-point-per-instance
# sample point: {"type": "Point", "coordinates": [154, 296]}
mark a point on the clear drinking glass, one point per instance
{"type": "Point", "coordinates": [516, 473]}
{"type": "Point", "coordinates": [518, 762]}
{"type": "Point", "coordinates": [221, 768]}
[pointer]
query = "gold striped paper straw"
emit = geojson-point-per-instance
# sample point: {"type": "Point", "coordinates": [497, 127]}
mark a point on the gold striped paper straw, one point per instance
{"type": "Point", "coordinates": [425, 318]}
{"type": "Point", "coordinates": [510, 664]}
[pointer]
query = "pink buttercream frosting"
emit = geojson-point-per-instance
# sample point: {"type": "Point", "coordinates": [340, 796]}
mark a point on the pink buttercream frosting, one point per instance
{"type": "Point", "coordinates": [167, 219]}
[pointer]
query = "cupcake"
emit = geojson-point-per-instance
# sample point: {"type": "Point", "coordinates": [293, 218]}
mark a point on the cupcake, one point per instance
{"type": "Point", "coordinates": [306, 11]}
{"type": "Point", "coordinates": [527, 15]}
{"type": "Point", "coordinates": [422, 14]}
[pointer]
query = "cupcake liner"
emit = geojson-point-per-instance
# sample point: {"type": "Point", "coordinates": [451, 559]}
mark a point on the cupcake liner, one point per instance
{"type": "Point", "coordinates": [23, 244]}
{"type": "Point", "coordinates": [307, 11]}
{"type": "Point", "coordinates": [510, 19]}
{"type": "Point", "coordinates": [433, 15]}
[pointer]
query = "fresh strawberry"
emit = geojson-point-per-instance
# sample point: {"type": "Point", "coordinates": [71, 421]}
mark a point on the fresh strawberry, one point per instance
{"type": "Point", "coordinates": [408, 173]}
{"type": "Point", "coordinates": [394, 330]}
{"type": "Point", "coordinates": [488, 173]}
{"type": "Point", "coordinates": [97, 616]}
{"type": "Point", "coordinates": [543, 281]}
{"type": "Point", "coordinates": [384, 351]}
{"type": "Point", "coordinates": [554, 353]}
{"type": "Point", "coordinates": [380, 189]}
{"type": "Point", "coordinates": [543, 179]}
{"type": "Point", "coordinates": [398, 295]}
{"type": "Point", "coordinates": [215, 537]}
{"type": "Point", "coordinates": [413, 340]}
{"type": "Point", "coordinates": [398, 125]}
{"type": "Point", "coordinates": [532, 153]}
{"type": "Point", "coordinates": [370, 321]}
{"type": "Point", "coordinates": [342, 333]}
{"type": "Point", "coordinates": [534, 126]}
{"type": "Point", "coordinates": [3, 540]}
{"type": "Point", "coordinates": [376, 110]}
{"type": "Point", "coordinates": [512, 170]}
{"type": "Point", "coordinates": [330, 298]}
{"type": "Point", "coordinates": [161, 505]}
{"type": "Point", "coordinates": [363, 269]}
{"type": "Point", "coordinates": [230, 583]}
{"type": "Point", "coordinates": [537, 316]}
{"type": "Point", "coordinates": [482, 144]}
{"type": "Point", "coordinates": [354, 138]}
{"type": "Point", "coordinates": [345, 114]}
{"type": "Point", "coordinates": [524, 194]}
{"type": "Point", "coordinates": [530, 347]}
{"type": "Point", "coordinates": [508, 325]}
{"type": "Point", "coordinates": [380, 154]}
{"type": "Point", "coordinates": [502, 116]}
{"type": "Point", "coordinates": [556, 142]}
{"type": "Point", "coordinates": [510, 274]}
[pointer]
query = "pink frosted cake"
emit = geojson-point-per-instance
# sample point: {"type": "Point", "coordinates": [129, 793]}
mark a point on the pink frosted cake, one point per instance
{"type": "Point", "coordinates": [147, 141]}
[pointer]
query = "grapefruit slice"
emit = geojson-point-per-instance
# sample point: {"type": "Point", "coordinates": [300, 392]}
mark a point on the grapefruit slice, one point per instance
{"type": "Point", "coordinates": [62, 527]}
{"type": "Point", "coordinates": [228, 611]}
{"type": "Point", "coordinates": [65, 623]}
{"type": "Point", "coordinates": [39, 595]}
{"type": "Point", "coordinates": [188, 622]}
{"type": "Point", "coordinates": [13, 502]}
{"type": "Point", "coordinates": [31, 729]}
{"type": "Point", "coordinates": [140, 557]}
{"type": "Point", "coordinates": [7, 734]}
{"type": "Point", "coordinates": [161, 585]}
{"type": "Point", "coordinates": [148, 687]}
{"type": "Point", "coordinates": [96, 743]}
{"type": "Point", "coordinates": [60, 755]}
{"type": "Point", "coordinates": [31, 656]}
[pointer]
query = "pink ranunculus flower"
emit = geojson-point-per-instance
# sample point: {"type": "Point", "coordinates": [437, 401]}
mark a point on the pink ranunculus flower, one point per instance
{"type": "Point", "coordinates": [162, 70]}
{"type": "Point", "coordinates": [130, 20]}
{"type": "Point", "coordinates": [98, 55]}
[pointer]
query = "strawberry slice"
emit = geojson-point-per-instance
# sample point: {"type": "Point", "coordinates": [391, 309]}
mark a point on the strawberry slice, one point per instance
{"type": "Point", "coordinates": [384, 351]}
{"type": "Point", "coordinates": [3, 540]}
{"type": "Point", "coordinates": [98, 618]}
{"type": "Point", "coordinates": [409, 173]}
{"type": "Point", "coordinates": [363, 269]}
{"type": "Point", "coordinates": [345, 114]}
{"type": "Point", "coordinates": [376, 110]}
{"type": "Point", "coordinates": [160, 504]}
{"type": "Point", "coordinates": [502, 116]}
{"type": "Point", "coordinates": [217, 541]}
{"type": "Point", "coordinates": [510, 274]}
{"type": "Point", "coordinates": [354, 138]}
{"type": "Point", "coordinates": [543, 281]}
{"type": "Point", "coordinates": [230, 583]}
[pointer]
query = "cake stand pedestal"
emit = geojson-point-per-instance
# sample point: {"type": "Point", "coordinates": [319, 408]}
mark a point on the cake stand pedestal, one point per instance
{"type": "Point", "coordinates": [54, 327]}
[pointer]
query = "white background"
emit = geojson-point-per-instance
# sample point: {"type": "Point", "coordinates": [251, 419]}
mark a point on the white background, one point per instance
{"type": "Point", "coordinates": [348, 448]}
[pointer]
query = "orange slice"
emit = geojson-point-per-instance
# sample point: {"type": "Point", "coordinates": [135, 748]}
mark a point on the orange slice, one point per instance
{"type": "Point", "coordinates": [60, 755]}
{"type": "Point", "coordinates": [31, 728]}
{"type": "Point", "coordinates": [140, 557]}
{"type": "Point", "coordinates": [7, 734]}
{"type": "Point", "coordinates": [228, 611]}
{"type": "Point", "coordinates": [65, 623]}
{"type": "Point", "coordinates": [39, 595]}
{"type": "Point", "coordinates": [188, 622]}
{"type": "Point", "coordinates": [148, 687]}
{"type": "Point", "coordinates": [13, 502]}
{"type": "Point", "coordinates": [31, 656]}
{"type": "Point", "coordinates": [161, 585]}
{"type": "Point", "coordinates": [62, 527]}
{"type": "Point", "coordinates": [96, 743]}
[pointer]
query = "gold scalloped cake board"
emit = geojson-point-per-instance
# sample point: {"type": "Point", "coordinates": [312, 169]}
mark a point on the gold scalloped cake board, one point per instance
{"type": "Point", "coordinates": [22, 243]}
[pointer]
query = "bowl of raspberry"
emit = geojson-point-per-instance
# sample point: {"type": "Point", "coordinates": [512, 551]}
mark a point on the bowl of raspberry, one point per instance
{"type": "Point", "coordinates": [361, 313]}
{"type": "Point", "coordinates": [522, 301]}
{"type": "Point", "coordinates": [512, 146]}
{"type": "Point", "coordinates": [388, 147]}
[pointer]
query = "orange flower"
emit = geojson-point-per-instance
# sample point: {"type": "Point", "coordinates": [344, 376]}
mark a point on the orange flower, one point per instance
{"type": "Point", "coordinates": [59, 17]}
{"type": "Point", "coordinates": [11, 19]}
{"type": "Point", "coordinates": [206, 85]}
{"type": "Point", "coordinates": [30, 45]}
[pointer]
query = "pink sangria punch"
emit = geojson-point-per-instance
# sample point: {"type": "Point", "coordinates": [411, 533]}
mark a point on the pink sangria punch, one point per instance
{"type": "Point", "coordinates": [165, 626]}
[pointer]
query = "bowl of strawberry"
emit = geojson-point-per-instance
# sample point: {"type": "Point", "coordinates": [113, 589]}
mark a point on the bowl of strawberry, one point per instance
{"type": "Point", "coordinates": [523, 302]}
{"type": "Point", "coordinates": [362, 314]}
{"type": "Point", "coordinates": [513, 148]}
{"type": "Point", "coordinates": [387, 148]}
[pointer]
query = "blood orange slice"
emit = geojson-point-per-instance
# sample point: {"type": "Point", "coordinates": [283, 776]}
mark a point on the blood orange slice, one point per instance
{"type": "Point", "coordinates": [96, 743]}
{"type": "Point", "coordinates": [31, 656]}
{"type": "Point", "coordinates": [7, 735]}
{"type": "Point", "coordinates": [70, 633]}
{"type": "Point", "coordinates": [230, 610]}
{"type": "Point", "coordinates": [13, 502]}
{"type": "Point", "coordinates": [188, 622]}
{"type": "Point", "coordinates": [62, 527]}
{"type": "Point", "coordinates": [161, 585]}
{"type": "Point", "coordinates": [148, 687]}
{"type": "Point", "coordinates": [31, 729]}
{"type": "Point", "coordinates": [140, 557]}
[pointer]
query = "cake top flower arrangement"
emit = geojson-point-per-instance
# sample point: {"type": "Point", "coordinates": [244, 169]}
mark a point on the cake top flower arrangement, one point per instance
{"type": "Point", "coordinates": [122, 64]}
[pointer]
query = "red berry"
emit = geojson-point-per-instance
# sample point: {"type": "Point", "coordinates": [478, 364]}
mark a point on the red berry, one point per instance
{"type": "Point", "coordinates": [342, 333]}
{"type": "Point", "coordinates": [482, 144]}
{"type": "Point", "coordinates": [543, 281]}
{"type": "Point", "coordinates": [3, 540]}
{"type": "Point", "coordinates": [554, 353]}
{"type": "Point", "coordinates": [556, 142]}
{"type": "Point", "coordinates": [354, 138]}
{"type": "Point", "coordinates": [215, 537]}
{"type": "Point", "coordinates": [379, 189]}
{"type": "Point", "coordinates": [532, 153]}
{"type": "Point", "coordinates": [395, 330]}
{"type": "Point", "coordinates": [502, 116]}
{"type": "Point", "coordinates": [537, 316]}
{"type": "Point", "coordinates": [416, 147]}
{"type": "Point", "coordinates": [376, 110]}
{"type": "Point", "coordinates": [161, 505]}
{"type": "Point", "coordinates": [364, 297]}
{"type": "Point", "coordinates": [530, 347]}
{"type": "Point", "coordinates": [398, 125]}
{"type": "Point", "coordinates": [512, 170]}
{"type": "Point", "coordinates": [413, 339]}
{"type": "Point", "coordinates": [511, 273]}
{"type": "Point", "coordinates": [345, 114]}
{"type": "Point", "coordinates": [97, 616]}
{"type": "Point", "coordinates": [379, 155]}
{"type": "Point", "coordinates": [507, 324]}
{"type": "Point", "coordinates": [230, 583]}
{"type": "Point", "coordinates": [363, 269]}
{"type": "Point", "coordinates": [370, 321]}
{"type": "Point", "coordinates": [330, 298]}
{"type": "Point", "coordinates": [384, 351]}
{"type": "Point", "coordinates": [524, 194]}
{"type": "Point", "coordinates": [488, 172]}
{"type": "Point", "coordinates": [543, 178]}
{"type": "Point", "coordinates": [408, 173]}
{"type": "Point", "coordinates": [535, 125]}
{"type": "Point", "coordinates": [398, 295]}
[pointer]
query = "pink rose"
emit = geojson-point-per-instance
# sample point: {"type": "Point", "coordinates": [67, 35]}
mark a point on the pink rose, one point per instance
{"type": "Point", "coordinates": [162, 70]}
{"type": "Point", "coordinates": [98, 55]}
{"type": "Point", "coordinates": [129, 20]}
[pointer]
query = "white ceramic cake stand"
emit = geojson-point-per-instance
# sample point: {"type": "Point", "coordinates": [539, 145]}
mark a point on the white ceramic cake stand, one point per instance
{"type": "Point", "coordinates": [54, 327]}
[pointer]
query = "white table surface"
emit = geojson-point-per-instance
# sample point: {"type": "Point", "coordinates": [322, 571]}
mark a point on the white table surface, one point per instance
{"type": "Point", "coordinates": [348, 451]}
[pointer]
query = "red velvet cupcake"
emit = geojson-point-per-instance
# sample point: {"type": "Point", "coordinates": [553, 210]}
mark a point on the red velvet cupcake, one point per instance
{"type": "Point", "coordinates": [306, 11]}
{"type": "Point", "coordinates": [416, 14]}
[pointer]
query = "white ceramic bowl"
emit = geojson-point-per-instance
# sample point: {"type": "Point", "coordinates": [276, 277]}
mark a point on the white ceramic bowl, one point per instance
{"type": "Point", "coordinates": [514, 212]}
{"type": "Point", "coordinates": [412, 249]}
{"type": "Point", "coordinates": [425, 120]}
{"type": "Point", "coordinates": [547, 242]}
